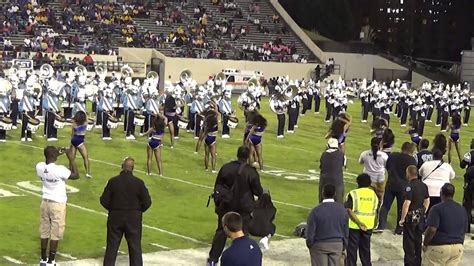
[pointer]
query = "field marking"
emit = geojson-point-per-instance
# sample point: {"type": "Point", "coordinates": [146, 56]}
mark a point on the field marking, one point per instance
{"type": "Point", "coordinates": [282, 236]}
{"type": "Point", "coordinates": [171, 178]}
{"type": "Point", "coordinates": [66, 255]}
{"type": "Point", "coordinates": [106, 215]}
{"type": "Point", "coordinates": [160, 246]}
{"type": "Point", "coordinates": [10, 259]}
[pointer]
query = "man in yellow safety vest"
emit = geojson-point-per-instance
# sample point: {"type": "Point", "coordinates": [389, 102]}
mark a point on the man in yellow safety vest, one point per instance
{"type": "Point", "coordinates": [361, 205]}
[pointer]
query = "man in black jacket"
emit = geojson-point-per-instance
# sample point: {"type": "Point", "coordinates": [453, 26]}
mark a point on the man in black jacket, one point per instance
{"type": "Point", "coordinates": [126, 198]}
{"type": "Point", "coordinates": [396, 165]}
{"type": "Point", "coordinates": [244, 182]}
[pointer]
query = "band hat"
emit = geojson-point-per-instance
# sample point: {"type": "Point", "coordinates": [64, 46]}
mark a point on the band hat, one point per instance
{"type": "Point", "coordinates": [333, 144]}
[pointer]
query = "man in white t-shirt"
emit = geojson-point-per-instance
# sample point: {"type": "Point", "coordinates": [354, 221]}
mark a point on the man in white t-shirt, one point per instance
{"type": "Point", "coordinates": [53, 205]}
{"type": "Point", "coordinates": [435, 174]}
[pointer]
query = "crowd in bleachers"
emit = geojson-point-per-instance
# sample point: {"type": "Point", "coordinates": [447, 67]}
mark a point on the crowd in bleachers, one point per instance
{"type": "Point", "coordinates": [196, 29]}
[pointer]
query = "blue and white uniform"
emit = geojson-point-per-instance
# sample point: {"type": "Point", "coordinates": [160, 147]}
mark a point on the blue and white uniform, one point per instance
{"type": "Point", "coordinates": [256, 137]}
{"type": "Point", "coordinates": [79, 134]}
{"type": "Point", "coordinates": [4, 111]}
{"type": "Point", "coordinates": [155, 139]}
{"type": "Point", "coordinates": [415, 137]}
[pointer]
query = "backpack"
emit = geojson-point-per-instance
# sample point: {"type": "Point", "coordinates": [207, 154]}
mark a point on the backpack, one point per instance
{"type": "Point", "coordinates": [222, 194]}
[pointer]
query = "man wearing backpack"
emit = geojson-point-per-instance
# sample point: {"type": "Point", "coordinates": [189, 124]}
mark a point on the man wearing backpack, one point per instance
{"type": "Point", "coordinates": [236, 185]}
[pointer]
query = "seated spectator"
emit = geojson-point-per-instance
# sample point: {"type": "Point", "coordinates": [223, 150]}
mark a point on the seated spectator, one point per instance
{"type": "Point", "coordinates": [87, 60]}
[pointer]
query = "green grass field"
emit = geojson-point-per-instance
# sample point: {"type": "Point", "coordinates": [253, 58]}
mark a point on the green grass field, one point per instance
{"type": "Point", "coordinates": [178, 217]}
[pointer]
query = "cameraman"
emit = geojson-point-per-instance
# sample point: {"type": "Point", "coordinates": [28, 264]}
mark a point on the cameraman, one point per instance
{"type": "Point", "coordinates": [414, 207]}
{"type": "Point", "coordinates": [241, 183]}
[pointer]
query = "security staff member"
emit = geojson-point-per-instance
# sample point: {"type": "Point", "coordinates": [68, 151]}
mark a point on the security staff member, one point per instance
{"type": "Point", "coordinates": [361, 206]}
{"type": "Point", "coordinates": [244, 180]}
{"type": "Point", "coordinates": [414, 207]}
{"type": "Point", "coordinates": [126, 198]}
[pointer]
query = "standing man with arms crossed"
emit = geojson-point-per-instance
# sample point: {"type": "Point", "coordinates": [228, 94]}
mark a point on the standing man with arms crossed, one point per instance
{"type": "Point", "coordinates": [53, 205]}
{"type": "Point", "coordinates": [126, 198]}
{"type": "Point", "coordinates": [244, 182]}
{"type": "Point", "coordinates": [414, 207]}
{"type": "Point", "coordinates": [327, 231]}
{"type": "Point", "coordinates": [444, 235]}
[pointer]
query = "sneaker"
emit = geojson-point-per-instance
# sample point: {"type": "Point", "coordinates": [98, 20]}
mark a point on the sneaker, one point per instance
{"type": "Point", "coordinates": [444, 130]}
{"type": "Point", "coordinates": [188, 131]}
{"type": "Point", "coordinates": [195, 152]}
{"type": "Point", "coordinates": [316, 113]}
{"type": "Point", "coordinates": [378, 230]}
{"type": "Point", "coordinates": [296, 126]}
{"type": "Point", "coordinates": [302, 114]}
{"type": "Point", "coordinates": [14, 127]}
{"type": "Point", "coordinates": [364, 121]}
{"type": "Point", "coordinates": [52, 263]}
{"type": "Point", "coordinates": [89, 176]}
{"type": "Point", "coordinates": [465, 125]}
{"type": "Point", "coordinates": [43, 262]}
{"type": "Point", "coordinates": [176, 137]}
{"type": "Point", "coordinates": [98, 126]}
{"type": "Point", "coordinates": [141, 134]}
{"type": "Point", "coordinates": [225, 136]}
{"type": "Point", "coordinates": [437, 125]}
{"type": "Point", "coordinates": [280, 136]}
{"type": "Point", "coordinates": [404, 125]}
{"type": "Point", "coordinates": [290, 131]}
{"type": "Point", "coordinates": [3, 140]}
{"type": "Point", "coordinates": [106, 138]}
{"type": "Point", "coordinates": [196, 137]}
{"type": "Point", "coordinates": [23, 139]}
{"type": "Point", "coordinates": [264, 243]}
{"type": "Point", "coordinates": [131, 137]}
{"type": "Point", "coordinates": [429, 121]}
{"type": "Point", "coordinates": [29, 139]}
{"type": "Point", "coordinates": [213, 171]}
{"type": "Point", "coordinates": [52, 139]}
{"type": "Point", "coordinates": [172, 147]}
{"type": "Point", "coordinates": [327, 121]}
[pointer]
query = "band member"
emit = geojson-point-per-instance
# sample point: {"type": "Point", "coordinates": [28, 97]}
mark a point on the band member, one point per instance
{"type": "Point", "coordinates": [317, 96]}
{"type": "Point", "coordinates": [79, 126]}
{"type": "Point", "coordinates": [339, 128]}
{"type": "Point", "coordinates": [106, 103]}
{"type": "Point", "coordinates": [189, 98]}
{"type": "Point", "coordinates": [170, 113]}
{"type": "Point", "coordinates": [51, 108]}
{"type": "Point", "coordinates": [225, 108]}
{"type": "Point", "coordinates": [26, 107]}
{"type": "Point", "coordinates": [152, 109]}
{"type": "Point", "coordinates": [79, 95]}
{"type": "Point", "coordinates": [254, 138]}
{"type": "Point", "coordinates": [413, 131]}
{"type": "Point", "coordinates": [209, 136]}
{"type": "Point", "coordinates": [4, 111]}
{"type": "Point", "coordinates": [280, 112]}
{"type": "Point", "coordinates": [466, 99]}
{"type": "Point", "coordinates": [454, 129]}
{"type": "Point", "coordinates": [156, 133]}
{"type": "Point", "coordinates": [198, 107]}
{"type": "Point", "coordinates": [293, 114]}
{"type": "Point", "coordinates": [16, 95]}
{"type": "Point", "coordinates": [133, 104]}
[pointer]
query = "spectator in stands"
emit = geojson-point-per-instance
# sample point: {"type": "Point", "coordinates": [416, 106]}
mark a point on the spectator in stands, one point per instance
{"type": "Point", "coordinates": [87, 60]}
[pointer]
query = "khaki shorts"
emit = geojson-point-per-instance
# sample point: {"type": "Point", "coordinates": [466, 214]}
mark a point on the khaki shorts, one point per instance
{"type": "Point", "coordinates": [52, 220]}
{"type": "Point", "coordinates": [449, 255]}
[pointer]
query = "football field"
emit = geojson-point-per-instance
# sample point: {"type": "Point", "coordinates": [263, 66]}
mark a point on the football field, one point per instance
{"type": "Point", "coordinates": [178, 217]}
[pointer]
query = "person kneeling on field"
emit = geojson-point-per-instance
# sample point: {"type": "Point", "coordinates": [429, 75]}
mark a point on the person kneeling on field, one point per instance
{"type": "Point", "coordinates": [263, 215]}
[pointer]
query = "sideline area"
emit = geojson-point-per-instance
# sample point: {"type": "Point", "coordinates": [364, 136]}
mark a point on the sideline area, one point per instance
{"type": "Point", "coordinates": [386, 250]}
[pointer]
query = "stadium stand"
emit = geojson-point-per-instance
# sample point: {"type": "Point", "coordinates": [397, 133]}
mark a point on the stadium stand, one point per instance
{"type": "Point", "coordinates": [238, 29]}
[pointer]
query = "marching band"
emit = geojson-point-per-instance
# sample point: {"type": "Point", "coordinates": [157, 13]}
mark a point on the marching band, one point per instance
{"type": "Point", "coordinates": [57, 98]}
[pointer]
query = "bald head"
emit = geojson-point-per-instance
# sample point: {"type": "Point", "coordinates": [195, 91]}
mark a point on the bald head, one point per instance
{"type": "Point", "coordinates": [128, 164]}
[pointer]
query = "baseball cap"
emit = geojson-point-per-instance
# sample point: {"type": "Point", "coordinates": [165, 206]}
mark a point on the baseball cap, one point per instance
{"type": "Point", "coordinates": [332, 143]}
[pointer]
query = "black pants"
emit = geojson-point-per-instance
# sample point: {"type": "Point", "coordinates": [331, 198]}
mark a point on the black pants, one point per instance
{"type": "Point", "coordinates": [225, 127]}
{"type": "Point", "coordinates": [404, 114]}
{"type": "Point", "coordinates": [297, 114]}
{"type": "Point", "coordinates": [98, 117]}
{"type": "Point", "coordinates": [421, 125]}
{"type": "Point", "coordinates": [310, 102]}
{"type": "Point", "coordinates": [365, 110]}
{"type": "Point", "coordinates": [67, 112]}
{"type": "Point", "coordinates": [281, 124]}
{"type": "Point", "coordinates": [51, 131]}
{"type": "Point", "coordinates": [389, 195]}
{"type": "Point", "coordinates": [129, 123]}
{"type": "Point", "coordinates": [147, 123]}
{"type": "Point", "coordinates": [328, 111]}
{"type": "Point", "coordinates": [317, 103]}
{"type": "Point", "coordinates": [105, 128]}
{"type": "Point", "coordinates": [429, 115]}
{"type": "Point", "coordinates": [412, 237]}
{"type": "Point", "coordinates": [192, 118]}
{"type": "Point", "coordinates": [24, 124]}
{"type": "Point", "coordinates": [467, 114]}
{"type": "Point", "coordinates": [119, 111]}
{"type": "Point", "coordinates": [175, 126]}
{"type": "Point", "coordinates": [218, 242]}
{"type": "Point", "coordinates": [120, 223]}
{"type": "Point", "coordinates": [306, 106]}
{"type": "Point", "coordinates": [438, 114]}
{"type": "Point", "coordinates": [292, 115]}
{"type": "Point", "coordinates": [14, 114]}
{"type": "Point", "coordinates": [197, 124]}
{"type": "Point", "coordinates": [444, 120]}
{"type": "Point", "coordinates": [358, 241]}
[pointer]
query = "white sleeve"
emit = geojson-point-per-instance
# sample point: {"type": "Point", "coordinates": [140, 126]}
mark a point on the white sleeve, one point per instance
{"type": "Point", "coordinates": [63, 172]}
{"type": "Point", "coordinates": [39, 170]}
{"type": "Point", "coordinates": [361, 158]}
{"type": "Point", "coordinates": [422, 170]}
{"type": "Point", "coordinates": [467, 157]}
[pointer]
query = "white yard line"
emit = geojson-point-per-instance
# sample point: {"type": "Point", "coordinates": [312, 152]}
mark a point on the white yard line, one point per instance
{"type": "Point", "coordinates": [282, 236]}
{"type": "Point", "coordinates": [160, 246]}
{"type": "Point", "coordinates": [105, 214]}
{"type": "Point", "coordinates": [169, 178]}
{"type": "Point", "coordinates": [66, 256]}
{"type": "Point", "coordinates": [12, 260]}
